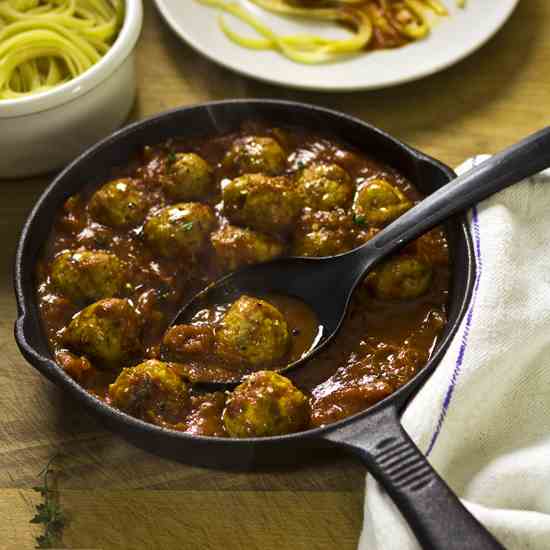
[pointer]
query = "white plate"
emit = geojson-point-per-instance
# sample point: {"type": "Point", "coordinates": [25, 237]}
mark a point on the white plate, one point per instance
{"type": "Point", "coordinates": [452, 39]}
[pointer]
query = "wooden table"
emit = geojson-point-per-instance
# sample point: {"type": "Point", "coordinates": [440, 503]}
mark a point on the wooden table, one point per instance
{"type": "Point", "coordinates": [117, 496]}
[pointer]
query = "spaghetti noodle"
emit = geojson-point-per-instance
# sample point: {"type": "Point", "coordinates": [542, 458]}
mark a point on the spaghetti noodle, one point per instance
{"type": "Point", "coordinates": [45, 43]}
{"type": "Point", "coordinates": [376, 24]}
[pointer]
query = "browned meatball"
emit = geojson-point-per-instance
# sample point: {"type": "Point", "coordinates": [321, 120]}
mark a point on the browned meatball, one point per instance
{"type": "Point", "coordinates": [87, 275]}
{"type": "Point", "coordinates": [253, 154]}
{"type": "Point", "coordinates": [378, 203]}
{"type": "Point", "coordinates": [108, 332]}
{"type": "Point", "coordinates": [265, 404]}
{"type": "Point", "coordinates": [261, 202]}
{"type": "Point", "coordinates": [152, 391]}
{"type": "Point", "coordinates": [252, 333]}
{"type": "Point", "coordinates": [239, 246]}
{"type": "Point", "coordinates": [323, 234]}
{"type": "Point", "coordinates": [325, 187]}
{"type": "Point", "coordinates": [180, 230]}
{"type": "Point", "coordinates": [189, 178]}
{"type": "Point", "coordinates": [119, 203]}
{"type": "Point", "coordinates": [401, 278]}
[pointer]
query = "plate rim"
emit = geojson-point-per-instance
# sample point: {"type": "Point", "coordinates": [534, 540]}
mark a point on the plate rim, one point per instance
{"type": "Point", "coordinates": [241, 70]}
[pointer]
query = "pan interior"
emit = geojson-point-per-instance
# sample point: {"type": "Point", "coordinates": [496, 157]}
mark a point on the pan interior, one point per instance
{"type": "Point", "coordinates": [215, 119]}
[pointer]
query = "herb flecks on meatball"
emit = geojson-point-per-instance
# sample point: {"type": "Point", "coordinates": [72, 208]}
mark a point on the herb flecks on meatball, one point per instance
{"type": "Point", "coordinates": [181, 230]}
{"type": "Point", "coordinates": [265, 404]}
{"type": "Point", "coordinates": [401, 278]}
{"type": "Point", "coordinates": [377, 203]}
{"type": "Point", "coordinates": [252, 332]}
{"type": "Point", "coordinates": [325, 187]}
{"type": "Point", "coordinates": [268, 204]}
{"type": "Point", "coordinates": [323, 233]}
{"type": "Point", "coordinates": [119, 203]}
{"type": "Point", "coordinates": [107, 332]}
{"type": "Point", "coordinates": [254, 155]}
{"type": "Point", "coordinates": [189, 177]}
{"type": "Point", "coordinates": [88, 275]}
{"type": "Point", "coordinates": [152, 391]}
{"type": "Point", "coordinates": [237, 247]}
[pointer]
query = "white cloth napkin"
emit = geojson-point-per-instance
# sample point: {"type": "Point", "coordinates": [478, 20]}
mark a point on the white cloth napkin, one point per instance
{"type": "Point", "coordinates": [483, 418]}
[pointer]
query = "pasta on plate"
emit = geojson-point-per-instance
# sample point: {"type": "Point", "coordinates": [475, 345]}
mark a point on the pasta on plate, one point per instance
{"type": "Point", "coordinates": [45, 43]}
{"type": "Point", "coordinates": [375, 24]}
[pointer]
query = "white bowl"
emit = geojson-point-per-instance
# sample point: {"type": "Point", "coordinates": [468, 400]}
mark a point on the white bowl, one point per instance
{"type": "Point", "coordinates": [43, 132]}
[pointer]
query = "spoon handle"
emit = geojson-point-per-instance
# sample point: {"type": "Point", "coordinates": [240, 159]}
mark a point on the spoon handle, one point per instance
{"type": "Point", "coordinates": [524, 159]}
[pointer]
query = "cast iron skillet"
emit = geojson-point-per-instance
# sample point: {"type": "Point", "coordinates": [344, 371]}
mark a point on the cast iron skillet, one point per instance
{"type": "Point", "coordinates": [375, 435]}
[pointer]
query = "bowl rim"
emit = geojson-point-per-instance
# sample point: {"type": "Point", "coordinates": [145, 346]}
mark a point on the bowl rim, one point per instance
{"type": "Point", "coordinates": [48, 367]}
{"type": "Point", "coordinates": [89, 79]}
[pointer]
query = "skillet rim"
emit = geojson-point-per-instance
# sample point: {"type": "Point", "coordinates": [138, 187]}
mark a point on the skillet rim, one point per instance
{"type": "Point", "coordinates": [26, 300]}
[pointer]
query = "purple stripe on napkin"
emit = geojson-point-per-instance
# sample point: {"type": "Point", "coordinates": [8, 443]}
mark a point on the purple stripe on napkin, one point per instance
{"type": "Point", "coordinates": [465, 335]}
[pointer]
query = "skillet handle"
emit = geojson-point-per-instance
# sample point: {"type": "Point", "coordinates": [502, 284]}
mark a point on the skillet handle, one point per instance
{"type": "Point", "coordinates": [433, 511]}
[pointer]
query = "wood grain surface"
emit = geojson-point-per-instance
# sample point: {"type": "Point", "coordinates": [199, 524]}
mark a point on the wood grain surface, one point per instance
{"type": "Point", "coordinates": [117, 496]}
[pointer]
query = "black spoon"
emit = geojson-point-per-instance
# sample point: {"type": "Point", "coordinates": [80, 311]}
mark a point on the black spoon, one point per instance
{"type": "Point", "coordinates": [326, 284]}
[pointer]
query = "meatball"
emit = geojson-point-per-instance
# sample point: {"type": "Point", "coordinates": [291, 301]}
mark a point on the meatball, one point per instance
{"type": "Point", "coordinates": [180, 230]}
{"type": "Point", "coordinates": [265, 404]}
{"type": "Point", "coordinates": [378, 203]}
{"type": "Point", "coordinates": [252, 155]}
{"type": "Point", "coordinates": [323, 234]}
{"type": "Point", "coordinates": [252, 332]}
{"type": "Point", "coordinates": [152, 391]}
{"type": "Point", "coordinates": [119, 203]}
{"type": "Point", "coordinates": [401, 278]}
{"type": "Point", "coordinates": [238, 246]}
{"type": "Point", "coordinates": [86, 275]}
{"type": "Point", "coordinates": [324, 242]}
{"type": "Point", "coordinates": [261, 202]}
{"type": "Point", "coordinates": [107, 331]}
{"type": "Point", "coordinates": [325, 187]}
{"type": "Point", "coordinates": [189, 178]}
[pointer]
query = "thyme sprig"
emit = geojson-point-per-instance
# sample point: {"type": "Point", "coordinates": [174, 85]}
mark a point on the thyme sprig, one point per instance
{"type": "Point", "coordinates": [49, 513]}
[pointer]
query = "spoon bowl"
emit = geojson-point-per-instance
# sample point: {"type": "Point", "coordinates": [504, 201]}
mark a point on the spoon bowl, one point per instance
{"type": "Point", "coordinates": [326, 284]}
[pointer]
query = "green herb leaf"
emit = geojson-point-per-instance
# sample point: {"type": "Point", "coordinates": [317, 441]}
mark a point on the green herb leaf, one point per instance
{"type": "Point", "coordinates": [187, 226]}
{"type": "Point", "coordinates": [49, 513]}
{"type": "Point", "coordinates": [42, 514]}
{"type": "Point", "coordinates": [44, 541]}
{"type": "Point", "coordinates": [360, 220]}
{"type": "Point", "coordinates": [172, 157]}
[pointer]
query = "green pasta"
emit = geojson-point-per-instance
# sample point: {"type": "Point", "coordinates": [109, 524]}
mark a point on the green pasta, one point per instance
{"type": "Point", "coordinates": [45, 43]}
